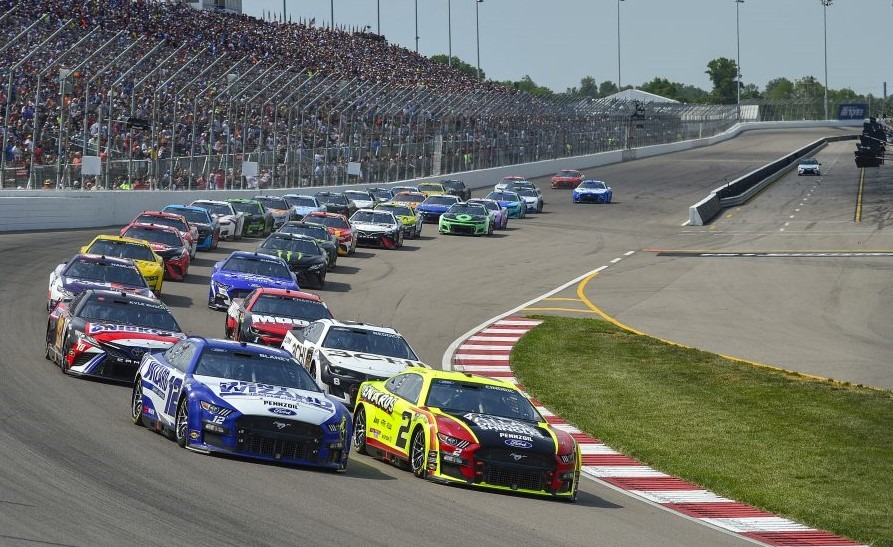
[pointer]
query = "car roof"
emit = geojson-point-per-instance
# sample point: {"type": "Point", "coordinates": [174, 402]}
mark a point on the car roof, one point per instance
{"type": "Point", "coordinates": [103, 258]}
{"type": "Point", "coordinates": [457, 376]}
{"type": "Point", "coordinates": [254, 255]}
{"type": "Point", "coordinates": [289, 293]}
{"type": "Point", "coordinates": [356, 325]}
{"type": "Point", "coordinates": [153, 226]}
{"type": "Point", "coordinates": [124, 295]}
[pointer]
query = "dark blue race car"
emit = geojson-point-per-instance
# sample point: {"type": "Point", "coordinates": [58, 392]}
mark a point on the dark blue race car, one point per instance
{"type": "Point", "coordinates": [208, 226]}
{"type": "Point", "coordinates": [220, 396]}
{"type": "Point", "coordinates": [242, 272]}
{"type": "Point", "coordinates": [435, 205]}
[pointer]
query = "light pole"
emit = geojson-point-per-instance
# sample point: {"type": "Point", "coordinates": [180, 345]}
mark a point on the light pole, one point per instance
{"type": "Point", "coordinates": [477, 23]}
{"type": "Point", "coordinates": [332, 14]}
{"type": "Point", "coordinates": [738, 62]}
{"type": "Point", "coordinates": [450, 33]}
{"type": "Point", "coordinates": [378, 15]}
{"type": "Point", "coordinates": [416, 26]}
{"type": "Point", "coordinates": [618, 45]}
{"type": "Point", "coordinates": [825, 4]}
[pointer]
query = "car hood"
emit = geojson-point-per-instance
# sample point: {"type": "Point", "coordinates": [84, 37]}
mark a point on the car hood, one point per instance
{"type": "Point", "coordinates": [373, 227]}
{"type": "Point", "coordinates": [76, 285]}
{"type": "Point", "coordinates": [433, 207]}
{"type": "Point", "coordinates": [296, 258]}
{"type": "Point", "coordinates": [381, 366]}
{"type": "Point", "coordinates": [132, 339]}
{"type": "Point", "coordinates": [256, 399]}
{"type": "Point", "coordinates": [275, 324]}
{"type": "Point", "coordinates": [506, 433]}
{"type": "Point", "coordinates": [246, 280]}
{"type": "Point", "coordinates": [590, 190]}
{"type": "Point", "coordinates": [464, 217]}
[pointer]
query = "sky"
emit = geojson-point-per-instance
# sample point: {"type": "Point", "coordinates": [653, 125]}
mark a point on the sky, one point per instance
{"type": "Point", "coordinates": [559, 42]}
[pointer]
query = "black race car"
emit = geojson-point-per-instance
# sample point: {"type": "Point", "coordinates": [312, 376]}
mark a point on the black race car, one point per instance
{"type": "Point", "coordinates": [336, 202]}
{"type": "Point", "coordinates": [104, 334]}
{"type": "Point", "coordinates": [457, 188]}
{"type": "Point", "coordinates": [319, 233]}
{"type": "Point", "coordinates": [305, 257]}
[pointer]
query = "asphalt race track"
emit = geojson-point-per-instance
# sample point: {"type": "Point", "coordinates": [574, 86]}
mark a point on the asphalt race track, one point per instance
{"type": "Point", "coordinates": [75, 471]}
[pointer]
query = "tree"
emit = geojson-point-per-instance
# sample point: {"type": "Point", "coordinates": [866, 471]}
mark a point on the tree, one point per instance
{"type": "Point", "coordinates": [809, 88]}
{"type": "Point", "coordinates": [527, 85]}
{"type": "Point", "coordinates": [662, 87]}
{"type": "Point", "coordinates": [459, 65]}
{"type": "Point", "coordinates": [723, 73]}
{"type": "Point", "coordinates": [607, 88]}
{"type": "Point", "coordinates": [588, 87]}
{"type": "Point", "coordinates": [779, 89]}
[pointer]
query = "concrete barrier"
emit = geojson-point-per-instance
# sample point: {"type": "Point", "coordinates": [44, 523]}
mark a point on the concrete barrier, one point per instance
{"type": "Point", "coordinates": [60, 209]}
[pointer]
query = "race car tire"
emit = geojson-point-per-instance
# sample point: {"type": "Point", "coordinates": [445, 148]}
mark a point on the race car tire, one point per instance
{"type": "Point", "coordinates": [321, 283]}
{"type": "Point", "coordinates": [359, 430]}
{"type": "Point", "coordinates": [418, 451]}
{"type": "Point", "coordinates": [63, 364]}
{"type": "Point", "coordinates": [539, 208]}
{"type": "Point", "coordinates": [228, 332]}
{"type": "Point", "coordinates": [489, 229]}
{"type": "Point", "coordinates": [136, 403]}
{"type": "Point", "coordinates": [181, 424]}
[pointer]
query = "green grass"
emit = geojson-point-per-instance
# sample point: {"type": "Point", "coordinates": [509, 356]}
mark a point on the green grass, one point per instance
{"type": "Point", "coordinates": [817, 452]}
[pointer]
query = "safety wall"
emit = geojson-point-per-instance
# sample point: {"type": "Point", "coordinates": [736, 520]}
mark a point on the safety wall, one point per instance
{"type": "Point", "coordinates": [60, 209]}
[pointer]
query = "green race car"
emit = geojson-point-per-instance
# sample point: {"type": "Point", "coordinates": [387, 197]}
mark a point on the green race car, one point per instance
{"type": "Point", "coordinates": [467, 219]}
{"type": "Point", "coordinates": [258, 220]}
{"type": "Point", "coordinates": [411, 221]}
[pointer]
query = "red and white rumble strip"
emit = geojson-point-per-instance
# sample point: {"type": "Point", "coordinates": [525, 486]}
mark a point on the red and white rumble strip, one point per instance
{"type": "Point", "coordinates": [487, 353]}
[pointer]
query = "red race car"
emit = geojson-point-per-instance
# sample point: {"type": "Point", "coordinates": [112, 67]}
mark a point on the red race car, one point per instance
{"type": "Point", "coordinates": [266, 314]}
{"type": "Point", "coordinates": [567, 178]}
{"type": "Point", "coordinates": [187, 230]}
{"type": "Point", "coordinates": [168, 243]}
{"type": "Point", "coordinates": [338, 226]}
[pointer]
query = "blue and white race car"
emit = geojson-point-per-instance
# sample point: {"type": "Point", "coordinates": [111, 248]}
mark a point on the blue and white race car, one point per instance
{"type": "Point", "coordinates": [513, 203]}
{"type": "Point", "coordinates": [242, 272]}
{"type": "Point", "coordinates": [592, 191]}
{"type": "Point", "coordinates": [221, 396]}
{"type": "Point", "coordinates": [302, 205]}
{"type": "Point", "coordinates": [207, 225]}
{"type": "Point", "coordinates": [87, 271]}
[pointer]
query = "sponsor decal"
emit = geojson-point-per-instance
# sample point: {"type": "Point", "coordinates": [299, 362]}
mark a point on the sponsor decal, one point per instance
{"type": "Point", "coordinates": [517, 457]}
{"type": "Point", "coordinates": [515, 436]}
{"type": "Point", "coordinates": [96, 328]}
{"type": "Point", "coordinates": [193, 434]}
{"type": "Point", "coordinates": [498, 388]}
{"type": "Point", "coordinates": [282, 425]}
{"type": "Point", "coordinates": [280, 411]}
{"type": "Point", "coordinates": [251, 389]}
{"type": "Point", "coordinates": [516, 443]}
{"type": "Point", "coordinates": [379, 399]}
{"type": "Point", "coordinates": [495, 423]}
{"type": "Point", "coordinates": [852, 111]}
{"type": "Point", "coordinates": [370, 357]}
{"type": "Point", "coordinates": [158, 376]}
{"type": "Point", "coordinates": [376, 433]}
{"type": "Point", "coordinates": [279, 320]}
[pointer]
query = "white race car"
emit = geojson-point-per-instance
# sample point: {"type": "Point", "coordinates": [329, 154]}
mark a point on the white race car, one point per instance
{"type": "Point", "coordinates": [809, 166]}
{"type": "Point", "coordinates": [341, 355]}
{"type": "Point", "coordinates": [231, 222]}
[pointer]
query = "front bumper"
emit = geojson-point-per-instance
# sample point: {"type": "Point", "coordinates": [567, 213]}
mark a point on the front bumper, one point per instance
{"type": "Point", "coordinates": [590, 198]}
{"type": "Point", "coordinates": [463, 228]}
{"type": "Point", "coordinates": [176, 269]}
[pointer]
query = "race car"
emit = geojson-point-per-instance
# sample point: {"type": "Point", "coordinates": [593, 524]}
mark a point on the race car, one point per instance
{"type": "Point", "coordinates": [337, 202]}
{"type": "Point", "coordinates": [377, 228]}
{"type": "Point", "coordinates": [150, 264]}
{"type": "Point", "coordinates": [220, 396]}
{"type": "Point", "coordinates": [208, 227]}
{"type": "Point", "coordinates": [265, 315]}
{"type": "Point", "coordinates": [338, 226]}
{"type": "Point", "coordinates": [302, 204]}
{"type": "Point", "coordinates": [592, 191]}
{"type": "Point", "coordinates": [434, 206]}
{"type": "Point", "coordinates": [457, 188]}
{"type": "Point", "coordinates": [303, 255]}
{"type": "Point", "coordinates": [809, 166]}
{"type": "Point", "coordinates": [411, 220]}
{"type": "Point", "coordinates": [400, 189]}
{"type": "Point", "coordinates": [258, 221]}
{"type": "Point", "coordinates": [501, 185]}
{"type": "Point", "coordinates": [532, 197]}
{"type": "Point", "coordinates": [278, 207]}
{"type": "Point", "coordinates": [85, 271]}
{"type": "Point", "coordinates": [188, 232]}
{"type": "Point", "coordinates": [466, 219]}
{"type": "Point", "coordinates": [242, 272]}
{"type": "Point", "coordinates": [432, 188]}
{"type": "Point", "coordinates": [341, 355]}
{"type": "Point", "coordinates": [104, 334]}
{"type": "Point", "coordinates": [511, 201]}
{"type": "Point", "coordinates": [168, 243]}
{"type": "Point", "coordinates": [567, 178]}
{"type": "Point", "coordinates": [455, 427]}
{"type": "Point", "coordinates": [381, 194]}
{"type": "Point", "coordinates": [363, 199]}
{"type": "Point", "coordinates": [410, 199]}
{"type": "Point", "coordinates": [499, 215]}
{"type": "Point", "coordinates": [319, 233]}
{"type": "Point", "coordinates": [232, 222]}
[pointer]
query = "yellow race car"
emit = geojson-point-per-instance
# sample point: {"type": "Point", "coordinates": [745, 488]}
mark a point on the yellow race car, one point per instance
{"type": "Point", "coordinates": [432, 188]}
{"type": "Point", "coordinates": [459, 428]}
{"type": "Point", "coordinates": [147, 261]}
{"type": "Point", "coordinates": [411, 220]}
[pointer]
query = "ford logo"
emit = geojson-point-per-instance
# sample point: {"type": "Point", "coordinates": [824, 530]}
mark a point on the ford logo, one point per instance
{"type": "Point", "coordinates": [518, 443]}
{"type": "Point", "coordinates": [281, 411]}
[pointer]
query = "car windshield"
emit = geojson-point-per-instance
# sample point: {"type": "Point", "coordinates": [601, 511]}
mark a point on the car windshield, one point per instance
{"type": "Point", "coordinates": [248, 207]}
{"type": "Point", "coordinates": [597, 184]}
{"type": "Point", "coordinates": [357, 195]}
{"type": "Point", "coordinates": [481, 398]}
{"type": "Point", "coordinates": [431, 187]}
{"type": "Point", "coordinates": [287, 306]}
{"type": "Point", "coordinates": [315, 231]}
{"type": "Point", "coordinates": [409, 198]}
{"type": "Point", "coordinates": [368, 341]}
{"type": "Point", "coordinates": [400, 210]}
{"type": "Point", "coordinates": [809, 161]}
{"type": "Point", "coordinates": [256, 266]}
{"type": "Point", "coordinates": [101, 308]}
{"type": "Point", "coordinates": [397, 189]}
{"type": "Point", "coordinates": [164, 237]}
{"type": "Point", "coordinates": [252, 366]}
{"type": "Point", "coordinates": [293, 245]}
{"type": "Point", "coordinates": [453, 184]}
{"type": "Point", "coordinates": [104, 272]}
{"type": "Point", "coordinates": [272, 202]}
{"type": "Point", "coordinates": [489, 204]}
{"type": "Point", "coordinates": [373, 217]}
{"type": "Point", "coordinates": [528, 192]}
{"type": "Point", "coordinates": [122, 249]}
{"type": "Point", "coordinates": [221, 209]}
{"type": "Point", "coordinates": [467, 209]}
{"type": "Point", "coordinates": [192, 215]}
{"type": "Point", "coordinates": [173, 222]}
{"type": "Point", "coordinates": [441, 200]}
{"type": "Point", "coordinates": [337, 199]}
{"type": "Point", "coordinates": [302, 201]}
{"type": "Point", "coordinates": [568, 174]}
{"type": "Point", "coordinates": [503, 196]}
{"type": "Point", "coordinates": [382, 193]}
{"type": "Point", "coordinates": [330, 221]}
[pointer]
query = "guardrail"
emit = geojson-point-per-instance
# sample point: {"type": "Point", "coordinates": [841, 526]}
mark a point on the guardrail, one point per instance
{"type": "Point", "coordinates": [61, 209]}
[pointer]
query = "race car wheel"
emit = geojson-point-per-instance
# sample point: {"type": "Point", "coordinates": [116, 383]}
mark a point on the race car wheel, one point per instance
{"type": "Point", "coordinates": [136, 402]}
{"type": "Point", "coordinates": [539, 207]}
{"type": "Point", "coordinates": [489, 229]}
{"type": "Point", "coordinates": [417, 453]}
{"type": "Point", "coordinates": [359, 430]}
{"type": "Point", "coordinates": [181, 433]}
{"type": "Point", "coordinates": [63, 364]}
